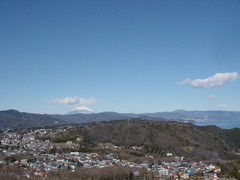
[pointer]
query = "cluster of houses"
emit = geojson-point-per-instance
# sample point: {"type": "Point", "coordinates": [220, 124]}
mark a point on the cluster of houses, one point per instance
{"type": "Point", "coordinates": [188, 170]}
{"type": "Point", "coordinates": [41, 163]}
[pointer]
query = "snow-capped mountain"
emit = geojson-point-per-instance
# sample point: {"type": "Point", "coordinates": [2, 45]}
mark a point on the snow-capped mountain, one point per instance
{"type": "Point", "coordinates": [81, 109]}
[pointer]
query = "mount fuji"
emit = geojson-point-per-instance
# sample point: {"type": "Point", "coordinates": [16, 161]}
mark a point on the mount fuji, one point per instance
{"type": "Point", "coordinates": [82, 110]}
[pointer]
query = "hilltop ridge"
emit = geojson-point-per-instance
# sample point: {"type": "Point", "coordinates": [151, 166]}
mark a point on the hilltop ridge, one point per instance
{"type": "Point", "coordinates": [11, 119]}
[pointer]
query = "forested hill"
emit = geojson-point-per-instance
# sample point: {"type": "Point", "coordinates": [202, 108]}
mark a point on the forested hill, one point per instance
{"type": "Point", "coordinates": [11, 119]}
{"type": "Point", "coordinates": [157, 137]}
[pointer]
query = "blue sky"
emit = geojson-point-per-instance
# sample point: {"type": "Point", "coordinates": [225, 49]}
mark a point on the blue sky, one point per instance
{"type": "Point", "coordinates": [123, 56]}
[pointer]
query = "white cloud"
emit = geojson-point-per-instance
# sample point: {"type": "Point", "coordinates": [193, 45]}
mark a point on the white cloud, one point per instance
{"type": "Point", "coordinates": [221, 106]}
{"type": "Point", "coordinates": [73, 102]}
{"type": "Point", "coordinates": [225, 105]}
{"type": "Point", "coordinates": [211, 97]}
{"type": "Point", "coordinates": [185, 81]}
{"type": "Point", "coordinates": [219, 79]}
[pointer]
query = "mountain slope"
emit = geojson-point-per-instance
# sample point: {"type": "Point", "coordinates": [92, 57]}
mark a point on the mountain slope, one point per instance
{"type": "Point", "coordinates": [230, 136]}
{"type": "Point", "coordinates": [11, 119]}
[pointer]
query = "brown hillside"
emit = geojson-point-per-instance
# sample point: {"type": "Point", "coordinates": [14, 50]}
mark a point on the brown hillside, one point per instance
{"type": "Point", "coordinates": [158, 137]}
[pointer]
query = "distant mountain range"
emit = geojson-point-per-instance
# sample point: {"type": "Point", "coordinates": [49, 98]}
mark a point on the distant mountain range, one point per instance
{"type": "Point", "coordinates": [12, 119]}
{"type": "Point", "coordinates": [104, 116]}
{"type": "Point", "coordinates": [198, 115]}
{"type": "Point", "coordinates": [15, 119]}
{"type": "Point", "coordinates": [178, 115]}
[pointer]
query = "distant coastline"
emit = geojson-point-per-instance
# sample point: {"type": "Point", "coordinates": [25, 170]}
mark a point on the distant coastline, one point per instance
{"type": "Point", "coordinates": [222, 124]}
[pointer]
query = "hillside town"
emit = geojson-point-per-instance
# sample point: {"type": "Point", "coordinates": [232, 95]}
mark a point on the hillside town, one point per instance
{"type": "Point", "coordinates": [38, 163]}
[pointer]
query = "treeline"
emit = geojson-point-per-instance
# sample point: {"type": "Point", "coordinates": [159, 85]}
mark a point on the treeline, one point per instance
{"type": "Point", "coordinates": [60, 139]}
{"type": "Point", "coordinates": [155, 149]}
{"type": "Point", "coordinates": [110, 173]}
{"type": "Point", "coordinates": [117, 173]}
{"type": "Point", "coordinates": [229, 170]}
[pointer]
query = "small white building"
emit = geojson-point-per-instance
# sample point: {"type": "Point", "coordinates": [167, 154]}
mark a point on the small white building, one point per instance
{"type": "Point", "coordinates": [74, 153]}
{"type": "Point", "coordinates": [163, 172]}
{"type": "Point", "coordinates": [169, 154]}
